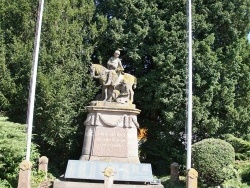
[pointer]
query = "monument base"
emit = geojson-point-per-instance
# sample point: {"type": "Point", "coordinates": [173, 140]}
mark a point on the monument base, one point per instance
{"type": "Point", "coordinates": [94, 170]}
{"type": "Point", "coordinates": [111, 133]}
{"type": "Point", "coordinates": [92, 174]}
{"type": "Point", "coordinates": [62, 183]}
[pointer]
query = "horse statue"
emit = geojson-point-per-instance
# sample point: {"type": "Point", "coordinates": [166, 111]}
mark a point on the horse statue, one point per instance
{"type": "Point", "coordinates": [121, 83]}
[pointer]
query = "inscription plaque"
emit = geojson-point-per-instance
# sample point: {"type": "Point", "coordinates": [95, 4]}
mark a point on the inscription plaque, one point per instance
{"type": "Point", "coordinates": [93, 170]}
{"type": "Point", "coordinates": [110, 142]}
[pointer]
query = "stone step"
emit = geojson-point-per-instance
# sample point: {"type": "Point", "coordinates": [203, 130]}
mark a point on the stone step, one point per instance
{"type": "Point", "coordinates": [71, 184]}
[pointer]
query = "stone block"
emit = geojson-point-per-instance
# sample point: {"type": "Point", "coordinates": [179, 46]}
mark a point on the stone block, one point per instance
{"type": "Point", "coordinates": [93, 170]}
{"type": "Point", "coordinates": [174, 173]}
{"type": "Point", "coordinates": [43, 163]}
{"type": "Point", "coordinates": [192, 178]}
{"type": "Point", "coordinates": [71, 184]}
{"type": "Point", "coordinates": [24, 174]}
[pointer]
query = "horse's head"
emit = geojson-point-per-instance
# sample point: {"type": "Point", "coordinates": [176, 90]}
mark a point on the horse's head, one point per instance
{"type": "Point", "coordinates": [91, 70]}
{"type": "Point", "coordinates": [94, 71]}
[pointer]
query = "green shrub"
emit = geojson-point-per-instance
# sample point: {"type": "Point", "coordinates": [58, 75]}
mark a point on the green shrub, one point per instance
{"type": "Point", "coordinates": [246, 137]}
{"type": "Point", "coordinates": [234, 183]}
{"type": "Point", "coordinates": [243, 168]}
{"type": "Point", "coordinates": [245, 174]}
{"type": "Point", "coordinates": [5, 184]}
{"type": "Point", "coordinates": [12, 151]}
{"type": "Point", "coordinates": [213, 159]}
{"type": "Point", "coordinates": [241, 146]}
{"type": "Point", "coordinates": [41, 179]}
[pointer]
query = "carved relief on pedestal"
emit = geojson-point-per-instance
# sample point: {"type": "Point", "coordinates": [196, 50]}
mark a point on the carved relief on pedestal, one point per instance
{"type": "Point", "coordinates": [112, 120]}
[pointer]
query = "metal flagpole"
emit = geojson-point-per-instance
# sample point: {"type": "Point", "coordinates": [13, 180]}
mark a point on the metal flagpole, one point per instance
{"type": "Point", "coordinates": [190, 89]}
{"type": "Point", "coordinates": [32, 88]}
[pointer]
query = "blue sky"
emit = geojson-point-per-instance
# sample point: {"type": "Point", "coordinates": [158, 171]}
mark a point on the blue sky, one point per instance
{"type": "Point", "coordinates": [248, 37]}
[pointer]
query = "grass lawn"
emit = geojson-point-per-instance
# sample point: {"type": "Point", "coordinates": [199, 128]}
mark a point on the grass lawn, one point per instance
{"type": "Point", "coordinates": [167, 183]}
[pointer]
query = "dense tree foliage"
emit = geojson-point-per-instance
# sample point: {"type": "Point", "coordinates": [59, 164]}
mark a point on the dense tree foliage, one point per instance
{"type": "Point", "coordinates": [152, 37]}
{"type": "Point", "coordinates": [64, 86]}
{"type": "Point", "coordinates": [17, 26]}
{"type": "Point", "coordinates": [221, 68]}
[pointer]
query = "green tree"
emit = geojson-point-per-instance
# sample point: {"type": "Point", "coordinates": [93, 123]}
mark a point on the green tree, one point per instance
{"type": "Point", "coordinates": [152, 35]}
{"type": "Point", "coordinates": [64, 84]}
{"type": "Point", "coordinates": [17, 25]}
{"type": "Point", "coordinates": [6, 83]}
{"type": "Point", "coordinates": [221, 83]}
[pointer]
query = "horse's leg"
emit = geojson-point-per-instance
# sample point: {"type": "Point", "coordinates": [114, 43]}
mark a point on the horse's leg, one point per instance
{"type": "Point", "coordinates": [103, 94]}
{"type": "Point", "coordinates": [105, 89]}
{"type": "Point", "coordinates": [131, 94]}
{"type": "Point", "coordinates": [110, 91]}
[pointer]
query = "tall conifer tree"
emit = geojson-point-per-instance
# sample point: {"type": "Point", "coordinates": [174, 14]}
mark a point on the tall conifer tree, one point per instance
{"type": "Point", "coordinates": [64, 84]}
{"type": "Point", "coordinates": [152, 35]}
{"type": "Point", "coordinates": [17, 22]}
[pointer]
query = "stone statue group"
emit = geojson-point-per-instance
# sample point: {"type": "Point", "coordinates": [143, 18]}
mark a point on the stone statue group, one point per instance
{"type": "Point", "coordinates": [117, 86]}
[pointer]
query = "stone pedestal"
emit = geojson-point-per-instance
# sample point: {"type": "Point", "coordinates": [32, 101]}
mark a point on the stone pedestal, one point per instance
{"type": "Point", "coordinates": [24, 174]}
{"type": "Point", "coordinates": [111, 133]}
{"type": "Point", "coordinates": [110, 142]}
{"type": "Point", "coordinates": [174, 173]}
{"type": "Point", "coordinates": [192, 178]}
{"type": "Point", "coordinates": [43, 163]}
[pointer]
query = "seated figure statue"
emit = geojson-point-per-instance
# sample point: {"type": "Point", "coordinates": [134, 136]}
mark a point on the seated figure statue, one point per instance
{"type": "Point", "coordinates": [115, 68]}
{"type": "Point", "coordinates": [117, 86]}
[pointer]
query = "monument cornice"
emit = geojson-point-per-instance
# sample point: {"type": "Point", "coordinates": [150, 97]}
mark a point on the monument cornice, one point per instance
{"type": "Point", "coordinates": [113, 107]}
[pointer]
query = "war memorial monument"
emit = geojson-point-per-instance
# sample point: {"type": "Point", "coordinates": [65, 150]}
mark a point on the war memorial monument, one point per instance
{"type": "Point", "coordinates": [109, 156]}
